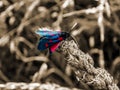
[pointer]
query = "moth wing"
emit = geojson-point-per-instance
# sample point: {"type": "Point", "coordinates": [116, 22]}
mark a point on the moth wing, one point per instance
{"type": "Point", "coordinates": [47, 42]}
{"type": "Point", "coordinates": [44, 32]}
{"type": "Point", "coordinates": [54, 47]}
{"type": "Point", "coordinates": [42, 44]}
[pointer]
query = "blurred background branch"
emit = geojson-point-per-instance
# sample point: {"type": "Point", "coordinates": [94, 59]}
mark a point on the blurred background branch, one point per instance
{"type": "Point", "coordinates": [97, 31]}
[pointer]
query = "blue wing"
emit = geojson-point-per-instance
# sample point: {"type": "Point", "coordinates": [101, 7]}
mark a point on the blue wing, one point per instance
{"type": "Point", "coordinates": [47, 32]}
{"type": "Point", "coordinates": [46, 42]}
{"type": "Point", "coordinates": [50, 39]}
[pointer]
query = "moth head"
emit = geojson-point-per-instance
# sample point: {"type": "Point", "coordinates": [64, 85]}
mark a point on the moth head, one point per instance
{"type": "Point", "coordinates": [65, 35]}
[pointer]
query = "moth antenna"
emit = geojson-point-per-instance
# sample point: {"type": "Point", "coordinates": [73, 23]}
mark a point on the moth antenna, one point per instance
{"type": "Point", "coordinates": [74, 40]}
{"type": "Point", "coordinates": [74, 25]}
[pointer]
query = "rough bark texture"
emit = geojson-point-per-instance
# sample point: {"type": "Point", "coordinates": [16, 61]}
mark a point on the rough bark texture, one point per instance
{"type": "Point", "coordinates": [83, 66]}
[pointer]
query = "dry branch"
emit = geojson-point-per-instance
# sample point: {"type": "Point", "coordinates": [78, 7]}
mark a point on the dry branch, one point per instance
{"type": "Point", "coordinates": [28, 14]}
{"type": "Point", "coordinates": [16, 5]}
{"type": "Point", "coordinates": [33, 86]}
{"type": "Point", "coordinates": [83, 66]}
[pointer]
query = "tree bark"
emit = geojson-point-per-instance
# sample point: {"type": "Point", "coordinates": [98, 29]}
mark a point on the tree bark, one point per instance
{"type": "Point", "coordinates": [83, 66]}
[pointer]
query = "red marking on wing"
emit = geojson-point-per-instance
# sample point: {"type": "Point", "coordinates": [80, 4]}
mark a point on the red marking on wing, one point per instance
{"type": "Point", "coordinates": [60, 38]}
{"type": "Point", "coordinates": [54, 47]}
{"type": "Point", "coordinates": [50, 40]}
{"type": "Point", "coordinates": [46, 44]}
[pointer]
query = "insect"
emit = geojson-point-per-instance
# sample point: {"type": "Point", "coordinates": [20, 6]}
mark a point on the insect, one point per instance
{"type": "Point", "coordinates": [50, 39]}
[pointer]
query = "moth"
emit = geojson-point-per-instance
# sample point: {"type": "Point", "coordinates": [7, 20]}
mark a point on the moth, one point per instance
{"type": "Point", "coordinates": [50, 39]}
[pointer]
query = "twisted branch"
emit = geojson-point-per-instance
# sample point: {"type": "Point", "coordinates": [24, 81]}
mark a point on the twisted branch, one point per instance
{"type": "Point", "coordinates": [83, 66]}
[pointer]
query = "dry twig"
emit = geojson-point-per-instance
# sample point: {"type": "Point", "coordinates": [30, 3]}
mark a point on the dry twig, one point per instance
{"type": "Point", "coordinates": [33, 86]}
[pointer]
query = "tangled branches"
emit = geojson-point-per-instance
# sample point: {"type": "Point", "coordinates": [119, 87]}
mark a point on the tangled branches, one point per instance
{"type": "Point", "coordinates": [97, 33]}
